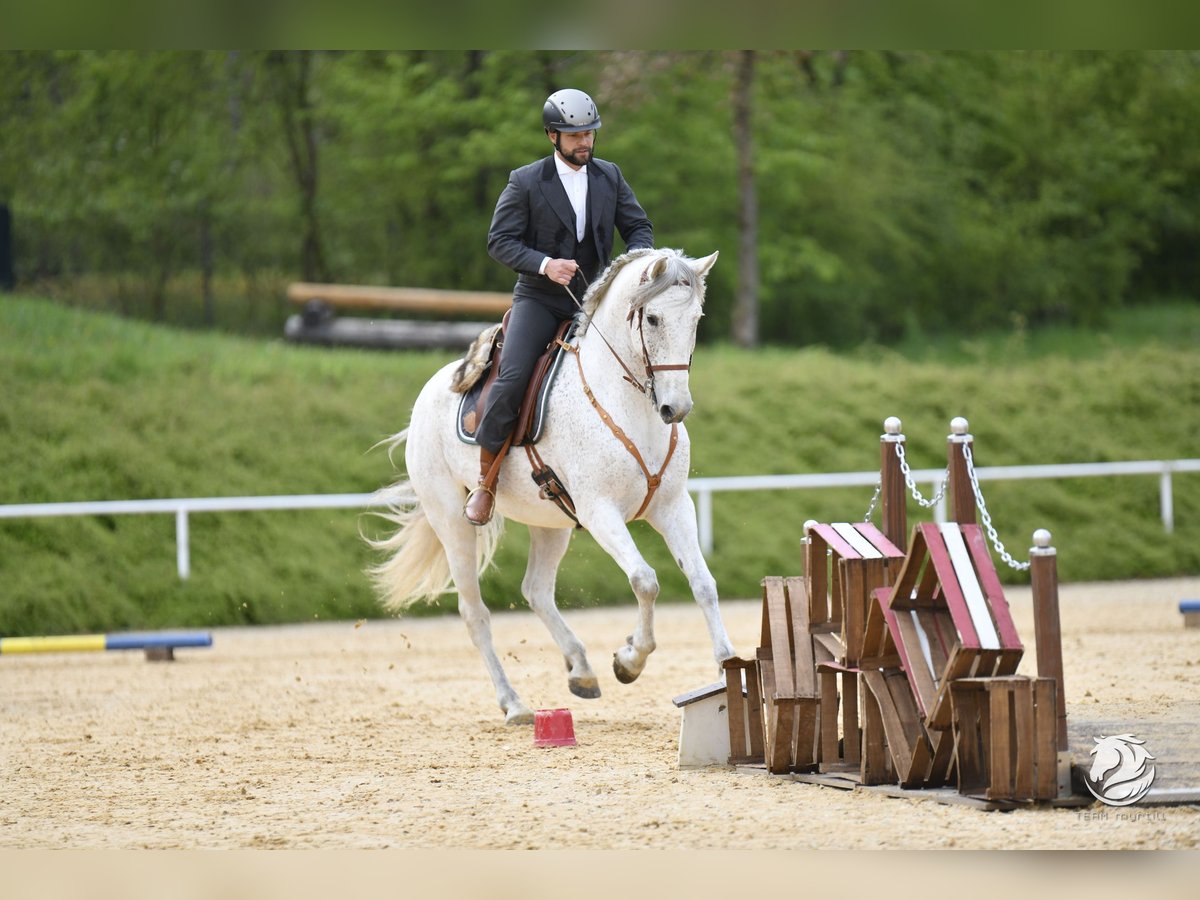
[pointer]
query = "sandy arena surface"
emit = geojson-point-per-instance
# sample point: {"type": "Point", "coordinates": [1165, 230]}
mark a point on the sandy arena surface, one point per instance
{"type": "Point", "coordinates": [386, 734]}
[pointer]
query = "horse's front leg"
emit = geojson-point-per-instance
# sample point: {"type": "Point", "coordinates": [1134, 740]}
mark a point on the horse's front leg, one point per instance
{"type": "Point", "coordinates": [676, 522]}
{"type": "Point", "coordinates": [607, 526]}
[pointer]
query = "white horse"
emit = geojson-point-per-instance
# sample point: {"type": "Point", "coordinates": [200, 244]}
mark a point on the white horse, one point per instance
{"type": "Point", "coordinates": [616, 445]}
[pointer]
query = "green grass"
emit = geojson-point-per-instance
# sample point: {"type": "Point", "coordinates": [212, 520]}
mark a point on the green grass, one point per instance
{"type": "Point", "coordinates": [95, 408]}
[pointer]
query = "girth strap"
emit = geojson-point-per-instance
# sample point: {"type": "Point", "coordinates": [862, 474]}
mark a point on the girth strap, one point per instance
{"type": "Point", "coordinates": [652, 480]}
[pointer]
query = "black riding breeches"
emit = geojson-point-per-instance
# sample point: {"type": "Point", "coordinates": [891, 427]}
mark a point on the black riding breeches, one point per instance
{"type": "Point", "coordinates": [531, 326]}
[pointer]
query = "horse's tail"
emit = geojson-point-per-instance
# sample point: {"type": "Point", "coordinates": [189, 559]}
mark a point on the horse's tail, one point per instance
{"type": "Point", "coordinates": [416, 567]}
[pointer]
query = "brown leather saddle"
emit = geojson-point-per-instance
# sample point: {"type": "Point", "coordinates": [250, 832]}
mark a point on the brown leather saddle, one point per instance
{"type": "Point", "coordinates": [532, 418]}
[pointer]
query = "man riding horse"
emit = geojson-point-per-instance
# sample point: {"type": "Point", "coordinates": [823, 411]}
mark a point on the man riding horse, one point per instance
{"type": "Point", "coordinates": [554, 226]}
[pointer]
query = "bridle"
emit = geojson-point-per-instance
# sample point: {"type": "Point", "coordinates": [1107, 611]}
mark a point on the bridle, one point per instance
{"type": "Point", "coordinates": [648, 386]}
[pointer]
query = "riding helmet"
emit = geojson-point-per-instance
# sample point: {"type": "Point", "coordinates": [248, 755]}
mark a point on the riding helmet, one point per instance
{"type": "Point", "coordinates": [569, 111]}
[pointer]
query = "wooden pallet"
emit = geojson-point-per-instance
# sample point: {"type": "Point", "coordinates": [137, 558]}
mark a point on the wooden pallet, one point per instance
{"type": "Point", "coordinates": [845, 562]}
{"type": "Point", "coordinates": [745, 711]}
{"type": "Point", "coordinates": [1005, 737]}
{"type": "Point", "coordinates": [948, 617]}
{"type": "Point", "coordinates": [787, 677]}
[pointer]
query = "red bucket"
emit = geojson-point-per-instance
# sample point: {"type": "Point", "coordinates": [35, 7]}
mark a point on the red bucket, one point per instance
{"type": "Point", "coordinates": [553, 728]}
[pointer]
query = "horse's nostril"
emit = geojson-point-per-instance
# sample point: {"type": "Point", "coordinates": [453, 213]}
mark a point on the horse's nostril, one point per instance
{"type": "Point", "coordinates": [667, 413]}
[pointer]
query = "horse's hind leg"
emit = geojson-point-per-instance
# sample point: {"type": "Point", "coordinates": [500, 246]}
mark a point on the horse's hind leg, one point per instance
{"type": "Point", "coordinates": [676, 522]}
{"type": "Point", "coordinates": [458, 537]}
{"type": "Point", "coordinates": [546, 549]}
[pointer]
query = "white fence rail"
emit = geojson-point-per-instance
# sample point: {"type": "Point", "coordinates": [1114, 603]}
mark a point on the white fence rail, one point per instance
{"type": "Point", "coordinates": [702, 488]}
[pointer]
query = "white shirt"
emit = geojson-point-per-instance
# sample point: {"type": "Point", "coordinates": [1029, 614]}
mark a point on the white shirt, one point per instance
{"type": "Point", "coordinates": [575, 183]}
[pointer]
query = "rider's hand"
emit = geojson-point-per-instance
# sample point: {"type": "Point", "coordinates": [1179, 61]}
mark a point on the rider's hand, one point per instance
{"type": "Point", "coordinates": [561, 271]}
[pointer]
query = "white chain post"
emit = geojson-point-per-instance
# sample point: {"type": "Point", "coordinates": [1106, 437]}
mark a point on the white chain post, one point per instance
{"type": "Point", "coordinates": [1041, 544]}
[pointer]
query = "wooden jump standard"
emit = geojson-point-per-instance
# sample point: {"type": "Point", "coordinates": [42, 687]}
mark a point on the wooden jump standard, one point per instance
{"type": "Point", "coordinates": [916, 633]}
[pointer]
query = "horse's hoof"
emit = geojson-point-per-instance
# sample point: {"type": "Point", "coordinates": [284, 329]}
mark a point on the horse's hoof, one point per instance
{"type": "Point", "coordinates": [623, 674]}
{"type": "Point", "coordinates": [518, 715]}
{"type": "Point", "coordinates": [587, 688]}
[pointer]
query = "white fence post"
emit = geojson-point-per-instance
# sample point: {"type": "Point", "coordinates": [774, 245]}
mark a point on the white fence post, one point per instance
{"type": "Point", "coordinates": [182, 552]}
{"type": "Point", "coordinates": [1166, 501]}
{"type": "Point", "coordinates": [704, 519]}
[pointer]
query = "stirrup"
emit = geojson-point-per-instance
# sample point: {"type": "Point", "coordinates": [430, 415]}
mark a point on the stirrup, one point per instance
{"type": "Point", "coordinates": [491, 507]}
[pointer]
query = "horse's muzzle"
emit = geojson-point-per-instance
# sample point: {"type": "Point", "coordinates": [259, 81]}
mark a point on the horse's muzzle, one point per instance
{"type": "Point", "coordinates": [674, 414]}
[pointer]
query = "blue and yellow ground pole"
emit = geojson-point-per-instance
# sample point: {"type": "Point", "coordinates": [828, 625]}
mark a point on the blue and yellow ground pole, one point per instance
{"type": "Point", "coordinates": [78, 643]}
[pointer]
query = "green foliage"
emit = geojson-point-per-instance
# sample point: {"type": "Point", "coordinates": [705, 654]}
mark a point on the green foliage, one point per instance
{"type": "Point", "coordinates": [900, 194]}
{"type": "Point", "coordinates": [97, 408]}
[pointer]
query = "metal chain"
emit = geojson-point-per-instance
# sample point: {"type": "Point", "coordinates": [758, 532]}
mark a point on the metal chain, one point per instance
{"type": "Point", "coordinates": [908, 479]}
{"type": "Point", "coordinates": [985, 516]}
{"type": "Point", "coordinates": [874, 500]}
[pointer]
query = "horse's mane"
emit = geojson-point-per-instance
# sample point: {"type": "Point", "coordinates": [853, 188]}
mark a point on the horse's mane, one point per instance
{"type": "Point", "coordinates": [672, 270]}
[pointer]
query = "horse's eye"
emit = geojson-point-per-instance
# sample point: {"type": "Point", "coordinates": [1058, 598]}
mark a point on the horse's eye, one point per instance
{"type": "Point", "coordinates": [652, 321]}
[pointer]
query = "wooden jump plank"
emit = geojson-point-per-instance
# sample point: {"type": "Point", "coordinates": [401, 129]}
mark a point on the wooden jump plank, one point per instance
{"type": "Point", "coordinates": [968, 584]}
{"type": "Point", "coordinates": [829, 717]}
{"type": "Point", "coordinates": [990, 581]}
{"type": "Point", "coordinates": [836, 592]}
{"type": "Point", "coordinates": [775, 623]}
{"type": "Point", "coordinates": [968, 749]}
{"type": "Point", "coordinates": [906, 579]}
{"type": "Point", "coordinates": [906, 708]}
{"type": "Point", "coordinates": [836, 542]}
{"type": "Point", "coordinates": [879, 541]}
{"type": "Point", "coordinates": [853, 613]}
{"type": "Point", "coordinates": [875, 763]}
{"type": "Point", "coordinates": [898, 741]}
{"type": "Point", "coordinates": [736, 710]}
{"type": "Point", "coordinates": [1027, 739]}
{"type": "Point", "coordinates": [806, 671]}
{"type": "Point", "coordinates": [948, 580]}
{"type": "Point", "coordinates": [816, 578]}
{"type": "Point", "coordinates": [921, 676]}
{"type": "Point", "coordinates": [1045, 757]}
{"type": "Point", "coordinates": [806, 734]}
{"type": "Point", "coordinates": [356, 296]}
{"type": "Point", "coordinates": [1000, 776]}
{"type": "Point", "coordinates": [754, 710]}
{"type": "Point", "coordinates": [864, 549]}
{"type": "Point", "coordinates": [779, 735]}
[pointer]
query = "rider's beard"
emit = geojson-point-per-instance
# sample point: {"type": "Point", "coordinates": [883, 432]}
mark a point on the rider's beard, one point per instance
{"type": "Point", "coordinates": [580, 156]}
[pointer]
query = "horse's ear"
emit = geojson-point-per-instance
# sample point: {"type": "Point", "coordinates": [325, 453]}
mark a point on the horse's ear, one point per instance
{"type": "Point", "coordinates": [701, 266]}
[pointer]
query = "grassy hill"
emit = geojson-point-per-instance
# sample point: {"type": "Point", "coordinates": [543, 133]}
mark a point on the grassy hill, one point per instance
{"type": "Point", "coordinates": [98, 408]}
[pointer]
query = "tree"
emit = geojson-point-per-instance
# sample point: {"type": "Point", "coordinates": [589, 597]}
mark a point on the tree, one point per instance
{"type": "Point", "coordinates": [745, 314]}
{"type": "Point", "coordinates": [289, 82]}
